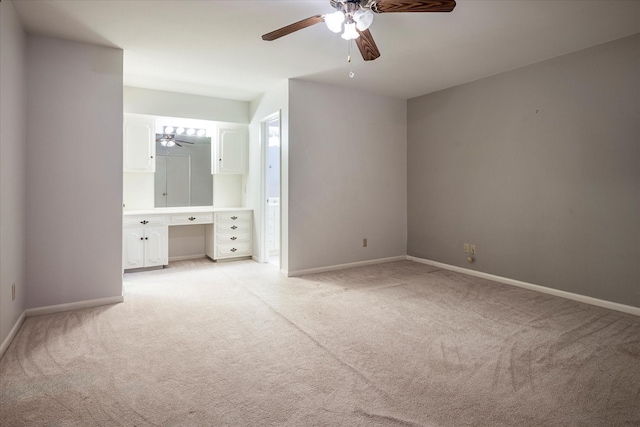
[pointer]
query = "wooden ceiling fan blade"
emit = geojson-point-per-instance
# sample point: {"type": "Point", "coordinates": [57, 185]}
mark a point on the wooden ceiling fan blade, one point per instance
{"type": "Point", "coordinates": [389, 6]}
{"type": "Point", "coordinates": [367, 46]}
{"type": "Point", "coordinates": [293, 28]}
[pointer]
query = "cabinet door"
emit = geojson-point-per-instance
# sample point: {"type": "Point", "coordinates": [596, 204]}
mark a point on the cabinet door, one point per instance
{"type": "Point", "coordinates": [133, 250]}
{"type": "Point", "coordinates": [156, 249]}
{"type": "Point", "coordinates": [231, 150]}
{"type": "Point", "coordinates": [139, 144]}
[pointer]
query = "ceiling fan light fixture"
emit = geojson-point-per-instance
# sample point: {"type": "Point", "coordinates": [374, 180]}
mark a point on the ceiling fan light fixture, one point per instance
{"type": "Point", "coordinates": [350, 32]}
{"type": "Point", "coordinates": [363, 18]}
{"type": "Point", "coordinates": [334, 21]}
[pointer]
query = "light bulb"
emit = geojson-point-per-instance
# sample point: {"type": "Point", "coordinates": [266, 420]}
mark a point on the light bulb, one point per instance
{"type": "Point", "coordinates": [363, 18]}
{"type": "Point", "coordinates": [163, 142]}
{"type": "Point", "coordinates": [170, 143]}
{"type": "Point", "coordinates": [334, 21]}
{"type": "Point", "coordinates": [168, 129]}
{"type": "Point", "coordinates": [350, 32]}
{"type": "Point", "coordinates": [180, 130]}
{"type": "Point", "coordinates": [202, 132]}
{"type": "Point", "coordinates": [191, 131]}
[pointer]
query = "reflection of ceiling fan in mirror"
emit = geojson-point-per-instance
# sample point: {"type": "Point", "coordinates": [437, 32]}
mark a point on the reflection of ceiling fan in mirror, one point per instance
{"type": "Point", "coordinates": [169, 140]}
{"type": "Point", "coordinates": [355, 16]}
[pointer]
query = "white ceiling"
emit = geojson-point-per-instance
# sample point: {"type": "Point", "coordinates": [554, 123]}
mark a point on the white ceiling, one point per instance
{"type": "Point", "coordinates": [214, 48]}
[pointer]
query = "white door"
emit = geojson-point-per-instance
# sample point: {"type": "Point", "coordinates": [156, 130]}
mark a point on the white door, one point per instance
{"type": "Point", "coordinates": [271, 155]}
{"type": "Point", "coordinates": [232, 150]}
{"type": "Point", "coordinates": [133, 255]}
{"type": "Point", "coordinates": [139, 144]}
{"type": "Point", "coordinates": [155, 251]}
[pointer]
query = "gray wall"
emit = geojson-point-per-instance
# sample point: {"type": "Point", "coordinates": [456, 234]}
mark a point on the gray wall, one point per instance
{"type": "Point", "coordinates": [347, 176]}
{"type": "Point", "coordinates": [12, 168]}
{"type": "Point", "coordinates": [540, 168]}
{"type": "Point", "coordinates": [74, 172]}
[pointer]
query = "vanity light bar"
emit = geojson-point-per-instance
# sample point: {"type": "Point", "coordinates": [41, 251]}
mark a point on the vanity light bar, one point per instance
{"type": "Point", "coordinates": [181, 130]}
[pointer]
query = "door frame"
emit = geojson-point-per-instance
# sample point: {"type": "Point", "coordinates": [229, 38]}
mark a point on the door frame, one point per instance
{"type": "Point", "coordinates": [264, 155]}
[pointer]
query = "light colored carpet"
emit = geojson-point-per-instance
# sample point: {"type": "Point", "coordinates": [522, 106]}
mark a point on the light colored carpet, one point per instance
{"type": "Point", "coordinates": [398, 344]}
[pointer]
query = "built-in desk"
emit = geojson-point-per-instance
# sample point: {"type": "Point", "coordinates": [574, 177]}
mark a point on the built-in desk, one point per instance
{"type": "Point", "coordinates": [145, 237]}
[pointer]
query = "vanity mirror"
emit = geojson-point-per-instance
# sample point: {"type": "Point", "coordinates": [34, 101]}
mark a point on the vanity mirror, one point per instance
{"type": "Point", "coordinates": [183, 171]}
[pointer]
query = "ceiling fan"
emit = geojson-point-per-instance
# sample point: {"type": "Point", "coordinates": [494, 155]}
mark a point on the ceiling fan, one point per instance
{"type": "Point", "coordinates": [169, 140]}
{"type": "Point", "coordinates": [355, 17]}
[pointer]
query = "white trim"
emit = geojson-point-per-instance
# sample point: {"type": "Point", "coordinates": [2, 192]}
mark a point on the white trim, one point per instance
{"type": "Point", "coordinates": [72, 306]}
{"type": "Point", "coordinates": [7, 341]}
{"type": "Point", "coordinates": [556, 292]}
{"type": "Point", "coordinates": [344, 266]}
{"type": "Point", "coordinates": [186, 257]}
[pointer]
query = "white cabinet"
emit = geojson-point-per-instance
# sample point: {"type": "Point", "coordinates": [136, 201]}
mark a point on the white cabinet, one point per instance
{"type": "Point", "coordinates": [230, 155]}
{"type": "Point", "coordinates": [230, 236]}
{"type": "Point", "coordinates": [145, 242]}
{"type": "Point", "coordinates": [139, 143]}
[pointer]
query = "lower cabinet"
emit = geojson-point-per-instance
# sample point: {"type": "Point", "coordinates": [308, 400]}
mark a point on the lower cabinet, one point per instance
{"type": "Point", "coordinates": [230, 235]}
{"type": "Point", "coordinates": [145, 238]}
{"type": "Point", "coordinates": [144, 247]}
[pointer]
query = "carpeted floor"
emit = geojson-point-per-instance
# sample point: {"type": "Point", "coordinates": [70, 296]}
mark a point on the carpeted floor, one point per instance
{"type": "Point", "coordinates": [397, 344]}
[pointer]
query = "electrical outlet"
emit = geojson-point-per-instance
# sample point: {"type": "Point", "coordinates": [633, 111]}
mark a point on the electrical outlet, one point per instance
{"type": "Point", "coordinates": [466, 248]}
{"type": "Point", "coordinates": [473, 249]}
{"type": "Point", "coordinates": [364, 242]}
{"type": "Point", "coordinates": [13, 292]}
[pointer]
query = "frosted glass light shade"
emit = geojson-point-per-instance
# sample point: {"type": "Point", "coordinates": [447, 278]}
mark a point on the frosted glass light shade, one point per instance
{"type": "Point", "coordinates": [363, 19]}
{"type": "Point", "coordinates": [334, 21]}
{"type": "Point", "coordinates": [350, 32]}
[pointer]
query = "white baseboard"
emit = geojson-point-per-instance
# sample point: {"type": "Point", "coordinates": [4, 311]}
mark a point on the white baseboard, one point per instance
{"type": "Point", "coordinates": [297, 273]}
{"type": "Point", "coordinates": [72, 306]}
{"type": "Point", "coordinates": [186, 257]}
{"type": "Point", "coordinates": [12, 334]}
{"type": "Point", "coordinates": [556, 292]}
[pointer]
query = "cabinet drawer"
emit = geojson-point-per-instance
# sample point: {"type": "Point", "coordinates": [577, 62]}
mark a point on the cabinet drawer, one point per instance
{"type": "Point", "coordinates": [137, 221]}
{"type": "Point", "coordinates": [228, 228]}
{"type": "Point", "coordinates": [232, 250]}
{"type": "Point", "coordinates": [224, 238]}
{"type": "Point", "coordinates": [233, 217]}
{"type": "Point", "coordinates": [193, 218]}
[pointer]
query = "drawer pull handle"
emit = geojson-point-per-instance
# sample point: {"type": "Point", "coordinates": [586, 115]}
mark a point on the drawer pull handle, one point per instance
{"type": "Point", "coordinates": [234, 217]}
{"type": "Point", "coordinates": [234, 238]}
{"type": "Point", "coordinates": [233, 227]}
{"type": "Point", "coordinates": [142, 238]}
{"type": "Point", "coordinates": [192, 218]}
{"type": "Point", "coordinates": [146, 238]}
{"type": "Point", "coordinates": [233, 249]}
{"type": "Point", "coordinates": [144, 222]}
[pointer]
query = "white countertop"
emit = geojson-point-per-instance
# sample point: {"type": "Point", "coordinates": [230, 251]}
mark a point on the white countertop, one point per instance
{"type": "Point", "coordinates": [182, 210]}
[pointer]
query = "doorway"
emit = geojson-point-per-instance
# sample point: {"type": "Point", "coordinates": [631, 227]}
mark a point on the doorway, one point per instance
{"type": "Point", "coordinates": [271, 189]}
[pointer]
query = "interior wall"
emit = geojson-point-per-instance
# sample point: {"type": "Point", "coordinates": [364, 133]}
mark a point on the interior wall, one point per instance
{"type": "Point", "coordinates": [273, 101]}
{"type": "Point", "coordinates": [539, 168]}
{"type": "Point", "coordinates": [172, 104]}
{"type": "Point", "coordinates": [74, 172]}
{"type": "Point", "coordinates": [12, 168]}
{"type": "Point", "coordinates": [347, 176]}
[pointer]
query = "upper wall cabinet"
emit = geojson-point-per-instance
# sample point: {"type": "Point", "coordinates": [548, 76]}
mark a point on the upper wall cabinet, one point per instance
{"type": "Point", "coordinates": [230, 156]}
{"type": "Point", "coordinates": [139, 143]}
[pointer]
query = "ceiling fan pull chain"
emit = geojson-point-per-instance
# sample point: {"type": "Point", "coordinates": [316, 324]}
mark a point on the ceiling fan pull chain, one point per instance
{"type": "Point", "coordinates": [351, 73]}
